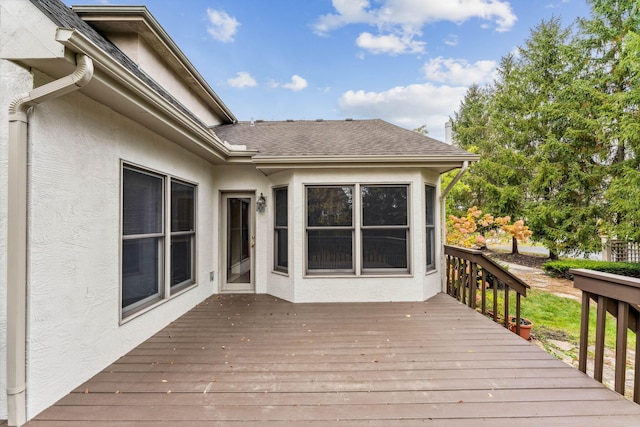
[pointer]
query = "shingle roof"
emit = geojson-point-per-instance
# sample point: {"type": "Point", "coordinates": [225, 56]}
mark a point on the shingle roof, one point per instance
{"type": "Point", "coordinates": [333, 138]}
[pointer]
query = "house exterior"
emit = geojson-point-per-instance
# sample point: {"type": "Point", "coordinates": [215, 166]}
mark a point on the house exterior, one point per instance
{"type": "Point", "coordinates": [130, 193]}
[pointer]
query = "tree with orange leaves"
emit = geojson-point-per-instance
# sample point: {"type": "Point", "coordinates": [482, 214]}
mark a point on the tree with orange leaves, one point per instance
{"type": "Point", "coordinates": [473, 229]}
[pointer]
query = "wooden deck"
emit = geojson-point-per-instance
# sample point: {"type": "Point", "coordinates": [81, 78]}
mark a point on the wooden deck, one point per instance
{"type": "Point", "coordinates": [255, 360]}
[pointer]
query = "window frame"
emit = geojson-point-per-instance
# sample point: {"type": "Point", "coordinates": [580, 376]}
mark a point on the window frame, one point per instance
{"type": "Point", "coordinates": [357, 231]}
{"type": "Point", "coordinates": [406, 227]}
{"type": "Point", "coordinates": [278, 229]}
{"type": "Point", "coordinates": [191, 234]}
{"type": "Point", "coordinates": [430, 203]}
{"type": "Point", "coordinates": [165, 289]}
{"type": "Point", "coordinates": [352, 228]}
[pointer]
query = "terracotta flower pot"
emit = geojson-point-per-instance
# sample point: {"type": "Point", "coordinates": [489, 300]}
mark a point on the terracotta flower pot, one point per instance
{"type": "Point", "coordinates": [525, 327]}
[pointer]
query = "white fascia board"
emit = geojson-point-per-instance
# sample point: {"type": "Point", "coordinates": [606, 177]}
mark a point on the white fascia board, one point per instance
{"type": "Point", "coordinates": [137, 92]}
{"type": "Point", "coordinates": [427, 160]}
{"type": "Point", "coordinates": [442, 164]}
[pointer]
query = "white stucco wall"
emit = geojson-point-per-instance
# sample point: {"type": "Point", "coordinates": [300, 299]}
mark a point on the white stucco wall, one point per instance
{"type": "Point", "coordinates": [76, 148]}
{"type": "Point", "coordinates": [13, 81]}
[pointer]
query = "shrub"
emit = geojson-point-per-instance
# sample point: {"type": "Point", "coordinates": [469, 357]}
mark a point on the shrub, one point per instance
{"type": "Point", "coordinates": [561, 268]}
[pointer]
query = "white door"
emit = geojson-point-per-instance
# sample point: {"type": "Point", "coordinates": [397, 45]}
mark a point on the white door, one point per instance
{"type": "Point", "coordinates": [238, 242]}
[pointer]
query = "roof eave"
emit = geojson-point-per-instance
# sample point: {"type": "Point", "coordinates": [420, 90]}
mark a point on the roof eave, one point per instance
{"type": "Point", "coordinates": [96, 13]}
{"type": "Point", "coordinates": [157, 111]}
{"type": "Point", "coordinates": [273, 164]}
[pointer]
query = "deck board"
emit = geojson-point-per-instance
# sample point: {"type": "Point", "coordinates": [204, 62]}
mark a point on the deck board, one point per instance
{"type": "Point", "coordinates": [253, 360]}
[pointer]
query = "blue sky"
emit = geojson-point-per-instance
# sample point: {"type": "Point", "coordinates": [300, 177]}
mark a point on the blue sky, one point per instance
{"type": "Point", "coordinates": [405, 61]}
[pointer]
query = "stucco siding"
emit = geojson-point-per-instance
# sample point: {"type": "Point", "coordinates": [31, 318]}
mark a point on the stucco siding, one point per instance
{"type": "Point", "coordinates": [76, 150]}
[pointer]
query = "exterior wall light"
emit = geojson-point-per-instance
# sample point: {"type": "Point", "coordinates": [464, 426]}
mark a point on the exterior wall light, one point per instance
{"type": "Point", "coordinates": [261, 203]}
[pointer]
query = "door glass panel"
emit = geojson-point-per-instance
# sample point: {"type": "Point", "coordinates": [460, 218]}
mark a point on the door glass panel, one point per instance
{"type": "Point", "coordinates": [238, 245]}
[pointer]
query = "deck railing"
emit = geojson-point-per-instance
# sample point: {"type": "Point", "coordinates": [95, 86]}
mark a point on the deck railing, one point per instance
{"type": "Point", "coordinates": [471, 274]}
{"type": "Point", "coordinates": [620, 297]}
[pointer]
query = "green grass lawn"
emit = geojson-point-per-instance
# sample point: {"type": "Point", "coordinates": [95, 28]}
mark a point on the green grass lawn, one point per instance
{"type": "Point", "coordinates": [558, 318]}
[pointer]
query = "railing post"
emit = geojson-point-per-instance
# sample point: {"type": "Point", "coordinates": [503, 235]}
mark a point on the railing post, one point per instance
{"type": "Point", "coordinates": [636, 377]}
{"type": "Point", "coordinates": [621, 346]}
{"type": "Point", "coordinates": [473, 285]}
{"type": "Point", "coordinates": [517, 313]}
{"type": "Point", "coordinates": [506, 306]}
{"type": "Point", "coordinates": [600, 331]}
{"type": "Point", "coordinates": [448, 273]}
{"type": "Point", "coordinates": [495, 299]}
{"type": "Point", "coordinates": [463, 287]}
{"type": "Point", "coordinates": [584, 332]}
{"type": "Point", "coordinates": [483, 291]}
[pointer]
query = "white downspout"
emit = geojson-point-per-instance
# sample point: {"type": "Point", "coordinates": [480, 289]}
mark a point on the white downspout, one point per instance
{"type": "Point", "coordinates": [17, 242]}
{"type": "Point", "coordinates": [443, 219]}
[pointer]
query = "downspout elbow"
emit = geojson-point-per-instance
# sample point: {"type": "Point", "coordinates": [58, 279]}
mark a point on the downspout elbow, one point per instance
{"type": "Point", "coordinates": [79, 78]}
{"type": "Point", "coordinates": [465, 166]}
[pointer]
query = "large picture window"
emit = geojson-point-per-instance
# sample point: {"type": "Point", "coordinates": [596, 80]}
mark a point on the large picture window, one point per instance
{"type": "Point", "coordinates": [281, 230]}
{"type": "Point", "coordinates": [145, 255]}
{"type": "Point", "coordinates": [430, 221]}
{"type": "Point", "coordinates": [376, 232]}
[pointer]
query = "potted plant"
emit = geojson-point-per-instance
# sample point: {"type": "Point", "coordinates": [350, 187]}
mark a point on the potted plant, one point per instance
{"type": "Point", "coordinates": [525, 327]}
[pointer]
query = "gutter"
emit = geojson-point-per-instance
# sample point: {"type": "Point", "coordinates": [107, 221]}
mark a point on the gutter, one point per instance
{"type": "Point", "coordinates": [148, 100]}
{"type": "Point", "coordinates": [443, 219]}
{"type": "Point", "coordinates": [17, 239]}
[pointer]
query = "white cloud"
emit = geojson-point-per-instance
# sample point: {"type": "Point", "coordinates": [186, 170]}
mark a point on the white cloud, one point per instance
{"type": "Point", "coordinates": [296, 84]}
{"type": "Point", "coordinates": [391, 44]}
{"type": "Point", "coordinates": [459, 71]}
{"type": "Point", "coordinates": [408, 17]}
{"type": "Point", "coordinates": [349, 12]}
{"type": "Point", "coordinates": [242, 79]}
{"type": "Point", "coordinates": [407, 106]}
{"type": "Point", "coordinates": [222, 27]}
{"type": "Point", "coordinates": [451, 40]}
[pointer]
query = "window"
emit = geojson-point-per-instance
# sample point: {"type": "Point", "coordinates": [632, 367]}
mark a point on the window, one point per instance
{"type": "Point", "coordinates": [144, 238]}
{"type": "Point", "coordinates": [385, 228]}
{"type": "Point", "coordinates": [281, 230]}
{"type": "Point", "coordinates": [430, 205]}
{"type": "Point", "coordinates": [183, 234]}
{"type": "Point", "coordinates": [330, 229]}
{"type": "Point", "coordinates": [378, 237]}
